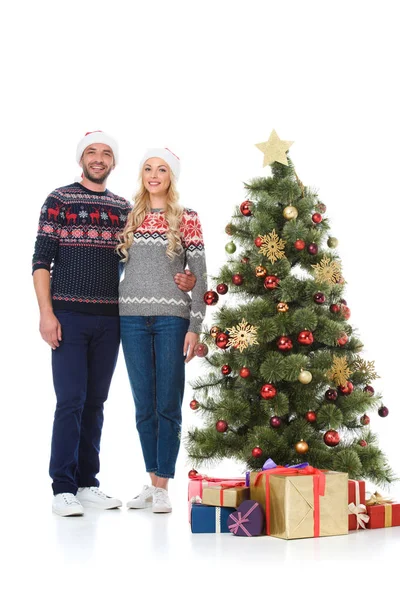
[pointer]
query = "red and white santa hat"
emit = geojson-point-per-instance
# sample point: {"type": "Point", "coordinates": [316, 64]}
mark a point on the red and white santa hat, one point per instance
{"type": "Point", "coordinates": [167, 156]}
{"type": "Point", "coordinates": [96, 137]}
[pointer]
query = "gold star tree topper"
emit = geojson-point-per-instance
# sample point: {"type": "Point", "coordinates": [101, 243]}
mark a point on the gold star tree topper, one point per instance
{"type": "Point", "coordinates": [274, 149]}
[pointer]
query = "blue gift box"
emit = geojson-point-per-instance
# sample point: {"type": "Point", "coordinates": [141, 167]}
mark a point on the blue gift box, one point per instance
{"type": "Point", "coordinates": [210, 519]}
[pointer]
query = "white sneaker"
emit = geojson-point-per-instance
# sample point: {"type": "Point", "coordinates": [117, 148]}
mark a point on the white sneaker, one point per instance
{"type": "Point", "coordinates": [67, 505]}
{"type": "Point", "coordinates": [161, 501]}
{"type": "Point", "coordinates": [92, 497]}
{"type": "Point", "coordinates": [144, 499]}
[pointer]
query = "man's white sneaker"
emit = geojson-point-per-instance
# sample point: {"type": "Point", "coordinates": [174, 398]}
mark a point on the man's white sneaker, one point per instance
{"type": "Point", "coordinates": [161, 501]}
{"type": "Point", "coordinates": [144, 499]}
{"type": "Point", "coordinates": [92, 497]}
{"type": "Point", "coordinates": [67, 505]}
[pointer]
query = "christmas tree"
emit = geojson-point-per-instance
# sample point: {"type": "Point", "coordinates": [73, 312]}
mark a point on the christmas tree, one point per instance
{"type": "Point", "coordinates": [285, 378]}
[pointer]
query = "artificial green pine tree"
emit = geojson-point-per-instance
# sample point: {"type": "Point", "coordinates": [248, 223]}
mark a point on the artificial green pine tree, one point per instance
{"type": "Point", "coordinates": [285, 379]}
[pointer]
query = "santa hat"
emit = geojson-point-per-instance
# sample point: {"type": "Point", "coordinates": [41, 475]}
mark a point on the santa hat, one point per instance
{"type": "Point", "coordinates": [96, 137]}
{"type": "Point", "coordinates": [169, 157]}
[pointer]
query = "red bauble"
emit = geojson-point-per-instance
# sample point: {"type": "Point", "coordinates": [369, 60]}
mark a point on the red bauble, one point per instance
{"type": "Point", "coordinates": [284, 343]}
{"type": "Point", "coordinates": [365, 420]}
{"type": "Point", "coordinates": [245, 260]}
{"type": "Point", "coordinates": [312, 249]}
{"type": "Point", "coordinates": [194, 405]}
{"type": "Point", "coordinates": [257, 452]}
{"type": "Point", "coordinates": [305, 338]}
{"type": "Point", "coordinates": [331, 395]}
{"type": "Point", "coordinates": [192, 473]}
{"type": "Point", "coordinates": [245, 208]}
{"type": "Point", "coordinates": [258, 241]}
{"type": "Point", "coordinates": [342, 341]}
{"type": "Point", "coordinates": [222, 340]}
{"type": "Point", "coordinates": [210, 298]}
{"type": "Point", "coordinates": [311, 416]}
{"type": "Point", "coordinates": [221, 426]}
{"type": "Point", "coordinates": [244, 372]}
{"type": "Point", "coordinates": [299, 244]}
{"type": "Point", "coordinates": [319, 298]}
{"type": "Point", "coordinates": [346, 389]}
{"type": "Point", "coordinates": [237, 279]}
{"type": "Point", "coordinates": [369, 389]}
{"type": "Point", "coordinates": [201, 350]}
{"type": "Point", "coordinates": [331, 438]}
{"type": "Point", "coordinates": [275, 422]}
{"type": "Point", "coordinates": [317, 218]}
{"type": "Point", "coordinates": [345, 312]}
{"type": "Point", "coordinates": [225, 370]}
{"type": "Point", "coordinates": [334, 308]}
{"type": "Point", "coordinates": [222, 288]}
{"type": "Point", "coordinates": [363, 443]}
{"type": "Point", "coordinates": [271, 282]}
{"type": "Point", "coordinates": [268, 391]}
{"type": "Point", "coordinates": [383, 411]}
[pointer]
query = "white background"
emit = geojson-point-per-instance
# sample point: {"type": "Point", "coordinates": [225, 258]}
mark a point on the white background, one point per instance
{"type": "Point", "coordinates": [209, 80]}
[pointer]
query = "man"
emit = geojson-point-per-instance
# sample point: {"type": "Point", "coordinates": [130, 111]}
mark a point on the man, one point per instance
{"type": "Point", "coordinates": [75, 274]}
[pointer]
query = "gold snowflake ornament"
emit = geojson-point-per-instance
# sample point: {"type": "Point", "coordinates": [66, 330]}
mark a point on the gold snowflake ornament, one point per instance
{"type": "Point", "coordinates": [327, 271]}
{"type": "Point", "coordinates": [340, 371]}
{"type": "Point", "coordinates": [272, 246]}
{"type": "Point", "coordinates": [242, 336]}
{"type": "Point", "coordinates": [367, 368]}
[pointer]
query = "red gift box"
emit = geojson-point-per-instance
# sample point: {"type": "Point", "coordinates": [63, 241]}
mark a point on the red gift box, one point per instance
{"type": "Point", "coordinates": [382, 512]}
{"type": "Point", "coordinates": [357, 509]}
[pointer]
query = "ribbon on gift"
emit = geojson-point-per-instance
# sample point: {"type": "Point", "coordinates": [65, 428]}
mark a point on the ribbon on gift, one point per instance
{"type": "Point", "coordinates": [318, 489]}
{"type": "Point", "coordinates": [196, 483]}
{"type": "Point", "coordinates": [228, 486]}
{"type": "Point", "coordinates": [195, 500]}
{"type": "Point", "coordinates": [359, 511]}
{"type": "Point", "coordinates": [240, 520]}
{"type": "Point", "coordinates": [377, 499]}
{"type": "Point", "coordinates": [217, 519]}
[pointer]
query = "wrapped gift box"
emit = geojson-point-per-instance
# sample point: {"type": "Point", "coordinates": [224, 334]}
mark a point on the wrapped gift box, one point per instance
{"type": "Point", "coordinates": [248, 520]}
{"type": "Point", "coordinates": [210, 519]}
{"type": "Point", "coordinates": [357, 509]}
{"type": "Point", "coordinates": [225, 495]}
{"type": "Point", "coordinates": [198, 483]}
{"type": "Point", "coordinates": [382, 512]}
{"type": "Point", "coordinates": [302, 503]}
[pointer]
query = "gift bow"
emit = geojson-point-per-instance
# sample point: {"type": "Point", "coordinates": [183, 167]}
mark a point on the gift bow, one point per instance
{"type": "Point", "coordinates": [359, 511]}
{"type": "Point", "coordinates": [240, 520]}
{"type": "Point", "coordinates": [377, 499]}
{"type": "Point", "coordinates": [196, 500]}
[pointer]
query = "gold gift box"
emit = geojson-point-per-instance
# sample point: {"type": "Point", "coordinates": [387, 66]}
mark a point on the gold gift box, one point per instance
{"type": "Point", "coordinates": [232, 496]}
{"type": "Point", "coordinates": [292, 504]}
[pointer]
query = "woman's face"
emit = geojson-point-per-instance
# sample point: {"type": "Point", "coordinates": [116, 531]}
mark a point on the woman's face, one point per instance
{"type": "Point", "coordinates": [156, 176]}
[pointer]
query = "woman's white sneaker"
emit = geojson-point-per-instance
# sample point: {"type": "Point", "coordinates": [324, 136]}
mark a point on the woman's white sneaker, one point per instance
{"type": "Point", "coordinates": [67, 505]}
{"type": "Point", "coordinates": [92, 497]}
{"type": "Point", "coordinates": [144, 499]}
{"type": "Point", "coordinates": [161, 501]}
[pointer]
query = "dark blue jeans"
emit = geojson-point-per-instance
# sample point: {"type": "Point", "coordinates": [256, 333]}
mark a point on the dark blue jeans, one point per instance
{"type": "Point", "coordinates": [83, 366]}
{"type": "Point", "coordinates": [153, 350]}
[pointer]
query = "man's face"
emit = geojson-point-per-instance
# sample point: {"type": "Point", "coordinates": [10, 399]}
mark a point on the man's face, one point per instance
{"type": "Point", "coordinates": [97, 162]}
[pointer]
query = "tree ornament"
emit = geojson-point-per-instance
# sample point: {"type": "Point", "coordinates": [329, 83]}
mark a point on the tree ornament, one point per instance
{"type": "Point", "coordinates": [245, 260]}
{"type": "Point", "coordinates": [305, 338]}
{"type": "Point", "coordinates": [327, 271]}
{"type": "Point", "coordinates": [260, 271]}
{"type": "Point", "coordinates": [317, 218]}
{"type": "Point", "coordinates": [194, 405]}
{"type": "Point", "coordinates": [228, 229]}
{"type": "Point", "coordinates": [343, 301]}
{"type": "Point", "coordinates": [332, 242]}
{"type": "Point", "coordinates": [268, 391]}
{"type": "Point", "coordinates": [299, 244]}
{"type": "Point", "coordinates": [222, 340]}
{"type": "Point", "coordinates": [237, 279]}
{"type": "Point", "coordinates": [245, 208]}
{"type": "Point", "coordinates": [244, 372]}
{"type": "Point", "coordinates": [305, 377]}
{"type": "Point", "coordinates": [340, 371]}
{"type": "Point", "coordinates": [345, 312]}
{"type": "Point", "coordinates": [272, 246]}
{"type": "Point", "coordinates": [301, 447]}
{"type": "Point", "coordinates": [257, 452]}
{"type": "Point", "coordinates": [282, 307]}
{"type": "Point", "coordinates": [319, 298]}
{"type": "Point", "coordinates": [214, 331]}
{"type": "Point", "coordinates": [274, 149]}
{"type": "Point", "coordinates": [221, 426]}
{"type": "Point", "coordinates": [363, 443]}
{"type": "Point", "coordinates": [230, 247]}
{"type": "Point", "coordinates": [243, 335]}
{"type": "Point", "coordinates": [222, 288]}
{"type": "Point", "coordinates": [201, 350]}
{"type": "Point", "coordinates": [383, 411]}
{"type": "Point", "coordinates": [192, 473]}
{"type": "Point", "coordinates": [342, 341]}
{"type": "Point", "coordinates": [290, 212]}
{"type": "Point", "coordinates": [258, 241]}
{"type": "Point", "coordinates": [210, 298]}
{"type": "Point", "coordinates": [312, 248]}
{"type": "Point", "coordinates": [271, 282]}
{"type": "Point", "coordinates": [334, 308]}
{"type": "Point", "coordinates": [226, 369]}
{"type": "Point", "coordinates": [275, 422]}
{"type": "Point", "coordinates": [369, 389]}
{"type": "Point", "coordinates": [365, 420]}
{"type": "Point", "coordinates": [367, 368]}
{"type": "Point", "coordinates": [331, 438]}
{"type": "Point", "coordinates": [284, 343]}
{"type": "Point", "coordinates": [321, 207]}
{"type": "Point", "coordinates": [331, 395]}
{"type": "Point", "coordinates": [346, 389]}
{"type": "Point", "coordinates": [311, 416]}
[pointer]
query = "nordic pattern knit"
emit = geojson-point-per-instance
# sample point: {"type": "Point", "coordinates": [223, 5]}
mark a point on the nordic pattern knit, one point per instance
{"type": "Point", "coordinates": [148, 287]}
{"type": "Point", "coordinates": [76, 241]}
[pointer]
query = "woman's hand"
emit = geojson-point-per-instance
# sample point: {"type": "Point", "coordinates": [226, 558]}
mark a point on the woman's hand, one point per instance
{"type": "Point", "coordinates": [191, 340]}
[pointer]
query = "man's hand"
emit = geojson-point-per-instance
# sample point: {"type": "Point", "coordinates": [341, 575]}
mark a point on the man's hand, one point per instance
{"type": "Point", "coordinates": [50, 329]}
{"type": "Point", "coordinates": [191, 340]}
{"type": "Point", "coordinates": [185, 281]}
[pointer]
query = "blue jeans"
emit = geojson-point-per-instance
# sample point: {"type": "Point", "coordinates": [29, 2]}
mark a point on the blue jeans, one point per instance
{"type": "Point", "coordinates": [153, 350]}
{"type": "Point", "coordinates": [83, 366]}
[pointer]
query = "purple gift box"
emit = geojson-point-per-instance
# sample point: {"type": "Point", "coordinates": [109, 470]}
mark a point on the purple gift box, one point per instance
{"type": "Point", "coordinates": [248, 520]}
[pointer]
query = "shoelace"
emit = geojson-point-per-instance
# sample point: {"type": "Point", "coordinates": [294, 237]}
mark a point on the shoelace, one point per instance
{"type": "Point", "coordinates": [70, 500]}
{"type": "Point", "coordinates": [99, 493]}
{"type": "Point", "coordinates": [160, 495]}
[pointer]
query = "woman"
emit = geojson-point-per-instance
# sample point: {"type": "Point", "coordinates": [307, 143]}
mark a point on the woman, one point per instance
{"type": "Point", "coordinates": [159, 322]}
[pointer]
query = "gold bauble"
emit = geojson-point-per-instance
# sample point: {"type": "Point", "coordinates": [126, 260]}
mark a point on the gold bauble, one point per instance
{"type": "Point", "coordinates": [282, 307]}
{"type": "Point", "coordinates": [301, 447]}
{"type": "Point", "coordinates": [304, 377]}
{"type": "Point", "coordinates": [214, 331]}
{"type": "Point", "coordinates": [290, 212]}
{"type": "Point", "coordinates": [260, 271]}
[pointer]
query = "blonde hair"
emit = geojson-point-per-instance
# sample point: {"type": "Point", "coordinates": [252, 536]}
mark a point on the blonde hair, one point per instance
{"type": "Point", "coordinates": [141, 207]}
